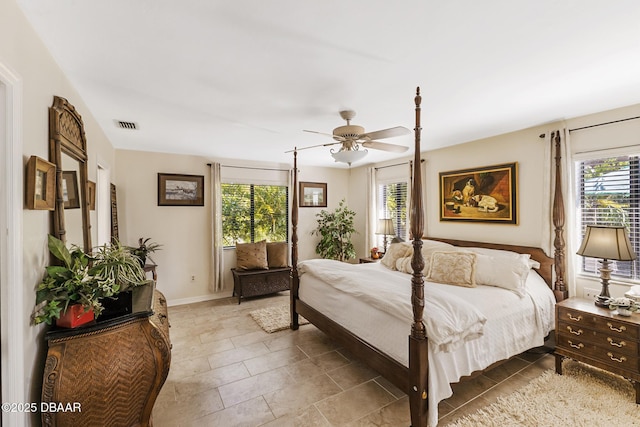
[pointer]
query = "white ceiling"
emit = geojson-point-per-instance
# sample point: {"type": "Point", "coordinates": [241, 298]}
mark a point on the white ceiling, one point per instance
{"type": "Point", "coordinates": [243, 78]}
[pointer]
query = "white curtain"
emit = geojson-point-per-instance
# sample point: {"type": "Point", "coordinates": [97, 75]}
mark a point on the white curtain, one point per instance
{"type": "Point", "coordinates": [217, 261]}
{"type": "Point", "coordinates": [370, 226]}
{"type": "Point", "coordinates": [567, 185]}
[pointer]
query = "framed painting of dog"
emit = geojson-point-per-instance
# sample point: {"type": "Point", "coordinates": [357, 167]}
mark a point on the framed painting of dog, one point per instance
{"type": "Point", "coordinates": [484, 194]}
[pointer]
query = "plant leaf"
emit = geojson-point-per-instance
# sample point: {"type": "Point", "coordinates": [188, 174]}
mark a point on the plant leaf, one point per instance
{"type": "Point", "coordinates": [59, 250]}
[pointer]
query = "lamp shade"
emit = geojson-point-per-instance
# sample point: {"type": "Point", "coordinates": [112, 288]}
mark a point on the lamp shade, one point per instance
{"type": "Point", "coordinates": [349, 156]}
{"type": "Point", "coordinates": [606, 243]}
{"type": "Point", "coordinates": [385, 227]}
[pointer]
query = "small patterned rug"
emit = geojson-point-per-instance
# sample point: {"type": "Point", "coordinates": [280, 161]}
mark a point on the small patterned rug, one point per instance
{"type": "Point", "coordinates": [276, 318]}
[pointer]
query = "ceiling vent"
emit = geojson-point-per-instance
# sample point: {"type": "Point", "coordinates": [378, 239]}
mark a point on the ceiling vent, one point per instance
{"type": "Point", "coordinates": [126, 125]}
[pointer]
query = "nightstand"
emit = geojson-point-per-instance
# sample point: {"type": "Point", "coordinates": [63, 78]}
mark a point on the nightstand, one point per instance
{"type": "Point", "coordinates": [368, 260]}
{"type": "Point", "coordinates": [594, 335]}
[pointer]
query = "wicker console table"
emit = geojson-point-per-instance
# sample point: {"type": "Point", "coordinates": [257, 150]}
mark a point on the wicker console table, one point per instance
{"type": "Point", "coordinates": [250, 283]}
{"type": "Point", "coordinates": [112, 371]}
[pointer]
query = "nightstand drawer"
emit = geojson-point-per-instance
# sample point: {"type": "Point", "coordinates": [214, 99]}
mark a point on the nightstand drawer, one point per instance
{"type": "Point", "coordinates": [577, 320]}
{"type": "Point", "coordinates": [603, 338]}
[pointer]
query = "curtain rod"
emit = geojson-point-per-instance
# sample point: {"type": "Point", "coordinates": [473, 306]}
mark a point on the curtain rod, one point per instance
{"type": "Point", "coordinates": [605, 123]}
{"type": "Point", "coordinates": [249, 167]}
{"type": "Point", "coordinates": [398, 164]}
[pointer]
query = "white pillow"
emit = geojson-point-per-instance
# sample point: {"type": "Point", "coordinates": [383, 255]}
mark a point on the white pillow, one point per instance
{"type": "Point", "coordinates": [453, 268]}
{"type": "Point", "coordinates": [395, 251]}
{"type": "Point", "coordinates": [504, 253]}
{"type": "Point", "coordinates": [504, 272]}
{"type": "Point", "coordinates": [403, 264]}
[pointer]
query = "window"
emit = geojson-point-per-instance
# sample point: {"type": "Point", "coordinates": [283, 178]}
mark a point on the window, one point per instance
{"type": "Point", "coordinates": [392, 203]}
{"type": "Point", "coordinates": [609, 194]}
{"type": "Point", "coordinates": [251, 213]}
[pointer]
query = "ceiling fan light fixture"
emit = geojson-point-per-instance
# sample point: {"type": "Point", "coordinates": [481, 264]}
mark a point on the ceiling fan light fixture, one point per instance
{"type": "Point", "coordinates": [348, 156]}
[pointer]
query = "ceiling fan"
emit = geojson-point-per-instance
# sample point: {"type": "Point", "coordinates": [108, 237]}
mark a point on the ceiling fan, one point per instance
{"type": "Point", "coordinates": [353, 137]}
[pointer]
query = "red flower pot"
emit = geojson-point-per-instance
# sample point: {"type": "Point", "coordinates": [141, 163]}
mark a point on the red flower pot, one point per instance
{"type": "Point", "coordinates": [74, 317]}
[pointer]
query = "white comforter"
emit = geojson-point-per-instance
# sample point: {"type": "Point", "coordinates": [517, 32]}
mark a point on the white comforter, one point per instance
{"type": "Point", "coordinates": [449, 320]}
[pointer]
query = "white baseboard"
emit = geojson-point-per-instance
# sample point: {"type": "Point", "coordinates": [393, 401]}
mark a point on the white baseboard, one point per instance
{"type": "Point", "coordinates": [191, 300]}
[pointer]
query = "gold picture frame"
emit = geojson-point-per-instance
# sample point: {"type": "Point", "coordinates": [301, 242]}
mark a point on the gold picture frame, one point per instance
{"type": "Point", "coordinates": [70, 193]}
{"type": "Point", "coordinates": [40, 186]}
{"type": "Point", "coordinates": [485, 194]}
{"type": "Point", "coordinates": [91, 195]}
{"type": "Point", "coordinates": [313, 195]}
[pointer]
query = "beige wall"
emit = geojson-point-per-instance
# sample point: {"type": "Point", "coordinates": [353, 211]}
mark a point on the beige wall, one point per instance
{"type": "Point", "coordinates": [185, 231]}
{"type": "Point", "coordinates": [22, 52]}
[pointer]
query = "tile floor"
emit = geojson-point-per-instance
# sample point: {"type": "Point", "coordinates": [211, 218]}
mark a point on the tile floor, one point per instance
{"type": "Point", "coordinates": [226, 371]}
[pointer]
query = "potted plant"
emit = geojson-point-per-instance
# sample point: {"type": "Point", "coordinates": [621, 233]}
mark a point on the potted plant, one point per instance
{"type": "Point", "coordinates": [335, 230]}
{"type": "Point", "coordinates": [144, 248]}
{"type": "Point", "coordinates": [625, 306]}
{"type": "Point", "coordinates": [84, 282]}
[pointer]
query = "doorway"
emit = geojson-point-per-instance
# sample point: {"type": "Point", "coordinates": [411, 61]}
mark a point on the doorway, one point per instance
{"type": "Point", "coordinates": [12, 373]}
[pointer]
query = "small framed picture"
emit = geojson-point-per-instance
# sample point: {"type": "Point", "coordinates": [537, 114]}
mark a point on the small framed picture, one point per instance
{"type": "Point", "coordinates": [70, 193]}
{"type": "Point", "coordinates": [91, 195]}
{"type": "Point", "coordinates": [313, 195]}
{"type": "Point", "coordinates": [180, 190]}
{"type": "Point", "coordinates": [40, 186]}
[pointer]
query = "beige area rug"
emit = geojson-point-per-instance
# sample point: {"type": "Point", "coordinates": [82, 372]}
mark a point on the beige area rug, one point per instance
{"type": "Point", "coordinates": [276, 318]}
{"type": "Point", "coordinates": [583, 396]}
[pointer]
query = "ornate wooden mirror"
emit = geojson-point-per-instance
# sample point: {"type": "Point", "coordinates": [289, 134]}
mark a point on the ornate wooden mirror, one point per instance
{"type": "Point", "coordinates": [68, 150]}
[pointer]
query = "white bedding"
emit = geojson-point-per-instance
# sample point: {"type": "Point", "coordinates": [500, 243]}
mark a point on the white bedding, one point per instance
{"type": "Point", "coordinates": [513, 324]}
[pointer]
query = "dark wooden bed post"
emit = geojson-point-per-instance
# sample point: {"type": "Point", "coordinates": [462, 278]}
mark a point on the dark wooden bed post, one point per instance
{"type": "Point", "coordinates": [559, 287]}
{"type": "Point", "coordinates": [418, 354]}
{"type": "Point", "coordinates": [295, 278]}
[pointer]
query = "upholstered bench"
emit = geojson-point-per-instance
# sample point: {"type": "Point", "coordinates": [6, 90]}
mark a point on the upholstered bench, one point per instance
{"type": "Point", "coordinates": [250, 283]}
{"type": "Point", "coordinates": [261, 269]}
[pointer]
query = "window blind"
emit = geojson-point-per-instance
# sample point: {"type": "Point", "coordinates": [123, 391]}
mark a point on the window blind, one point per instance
{"type": "Point", "coordinates": [392, 203]}
{"type": "Point", "coordinates": [609, 194]}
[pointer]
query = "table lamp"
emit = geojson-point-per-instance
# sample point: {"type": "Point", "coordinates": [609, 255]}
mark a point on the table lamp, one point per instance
{"type": "Point", "coordinates": [608, 243]}
{"type": "Point", "coordinates": [385, 227]}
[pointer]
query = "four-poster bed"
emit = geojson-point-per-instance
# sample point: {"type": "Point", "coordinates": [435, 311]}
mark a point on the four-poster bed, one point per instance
{"type": "Point", "coordinates": [410, 371]}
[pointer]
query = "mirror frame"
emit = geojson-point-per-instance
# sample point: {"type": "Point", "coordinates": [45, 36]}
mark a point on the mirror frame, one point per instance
{"type": "Point", "coordinates": [66, 136]}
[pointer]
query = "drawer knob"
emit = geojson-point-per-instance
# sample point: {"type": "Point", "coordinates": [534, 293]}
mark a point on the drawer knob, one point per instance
{"type": "Point", "coordinates": [615, 359]}
{"type": "Point", "coordinates": [578, 346]}
{"type": "Point", "coordinates": [613, 328]}
{"type": "Point", "coordinates": [578, 332]}
{"type": "Point", "coordinates": [616, 344]}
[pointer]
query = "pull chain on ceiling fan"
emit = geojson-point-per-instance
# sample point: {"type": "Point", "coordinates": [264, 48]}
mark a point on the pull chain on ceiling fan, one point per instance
{"type": "Point", "coordinates": [352, 139]}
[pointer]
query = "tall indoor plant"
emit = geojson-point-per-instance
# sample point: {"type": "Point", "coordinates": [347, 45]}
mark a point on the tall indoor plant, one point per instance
{"type": "Point", "coordinates": [335, 230]}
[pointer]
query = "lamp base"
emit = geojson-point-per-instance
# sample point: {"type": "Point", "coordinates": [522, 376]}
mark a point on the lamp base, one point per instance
{"type": "Point", "coordinates": [602, 301]}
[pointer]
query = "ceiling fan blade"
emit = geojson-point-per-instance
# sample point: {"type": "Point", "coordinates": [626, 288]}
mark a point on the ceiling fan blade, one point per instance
{"type": "Point", "coordinates": [377, 145]}
{"type": "Point", "coordinates": [314, 146]}
{"type": "Point", "coordinates": [387, 133]}
{"type": "Point", "coordinates": [337, 137]}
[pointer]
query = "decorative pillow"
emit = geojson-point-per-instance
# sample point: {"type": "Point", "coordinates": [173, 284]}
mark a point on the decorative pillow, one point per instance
{"type": "Point", "coordinates": [251, 256]}
{"type": "Point", "coordinates": [395, 251]}
{"type": "Point", "coordinates": [453, 268]}
{"type": "Point", "coordinates": [503, 272]}
{"type": "Point", "coordinates": [403, 264]}
{"type": "Point", "coordinates": [505, 253]}
{"type": "Point", "coordinates": [277, 254]}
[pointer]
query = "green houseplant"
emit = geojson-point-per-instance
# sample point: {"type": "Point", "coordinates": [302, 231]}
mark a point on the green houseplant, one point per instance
{"type": "Point", "coordinates": [335, 230]}
{"type": "Point", "coordinates": [144, 248]}
{"type": "Point", "coordinates": [84, 279]}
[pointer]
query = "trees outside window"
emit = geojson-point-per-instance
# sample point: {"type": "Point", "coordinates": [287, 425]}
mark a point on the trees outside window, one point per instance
{"type": "Point", "coordinates": [392, 203]}
{"type": "Point", "coordinates": [608, 193]}
{"type": "Point", "coordinates": [252, 212]}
